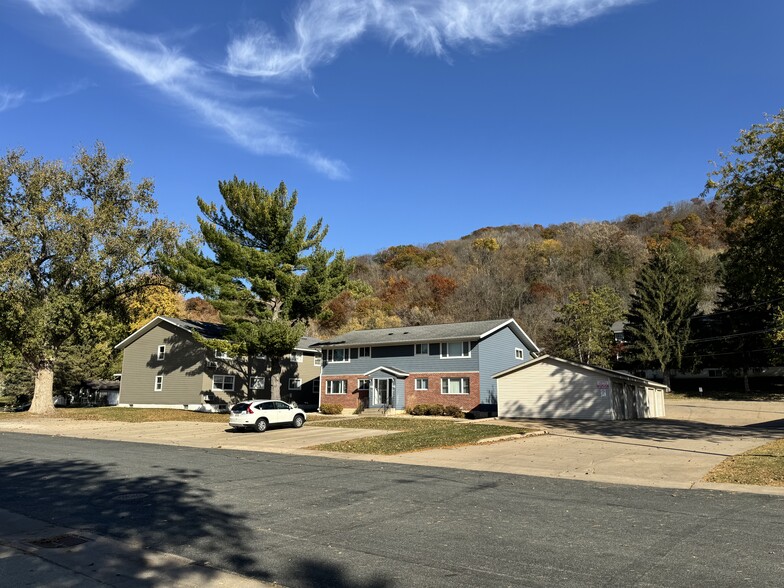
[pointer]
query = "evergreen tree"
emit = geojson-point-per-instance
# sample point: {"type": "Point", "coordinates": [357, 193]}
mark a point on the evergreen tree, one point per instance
{"type": "Point", "coordinates": [583, 326]}
{"type": "Point", "coordinates": [268, 275]}
{"type": "Point", "coordinates": [661, 309]}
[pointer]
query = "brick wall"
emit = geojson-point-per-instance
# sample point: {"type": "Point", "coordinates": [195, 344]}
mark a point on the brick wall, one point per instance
{"type": "Point", "coordinates": [433, 394]}
{"type": "Point", "coordinates": [348, 400]}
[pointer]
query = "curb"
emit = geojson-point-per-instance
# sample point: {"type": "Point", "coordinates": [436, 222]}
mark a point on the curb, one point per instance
{"type": "Point", "coordinates": [512, 436]}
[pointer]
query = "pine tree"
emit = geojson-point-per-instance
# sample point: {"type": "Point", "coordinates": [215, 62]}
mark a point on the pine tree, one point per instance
{"type": "Point", "coordinates": [661, 309]}
{"type": "Point", "coordinates": [268, 275]}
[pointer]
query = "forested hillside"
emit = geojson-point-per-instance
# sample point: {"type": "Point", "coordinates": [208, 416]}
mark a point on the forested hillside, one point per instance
{"type": "Point", "coordinates": [526, 271]}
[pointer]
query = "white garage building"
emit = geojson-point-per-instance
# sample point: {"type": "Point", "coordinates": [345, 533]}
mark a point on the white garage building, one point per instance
{"type": "Point", "coordinates": [550, 387]}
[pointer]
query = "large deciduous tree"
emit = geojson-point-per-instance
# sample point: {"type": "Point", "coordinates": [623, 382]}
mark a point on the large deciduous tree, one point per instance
{"type": "Point", "coordinates": [583, 330]}
{"type": "Point", "coordinates": [662, 307]}
{"type": "Point", "coordinates": [268, 274]}
{"type": "Point", "coordinates": [73, 241]}
{"type": "Point", "coordinates": [750, 184]}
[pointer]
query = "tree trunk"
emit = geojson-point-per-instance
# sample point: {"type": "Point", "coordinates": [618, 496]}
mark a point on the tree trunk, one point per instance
{"type": "Point", "coordinates": [43, 401]}
{"type": "Point", "coordinates": [275, 370]}
{"type": "Point", "coordinates": [666, 372]}
{"type": "Point", "coordinates": [746, 385]}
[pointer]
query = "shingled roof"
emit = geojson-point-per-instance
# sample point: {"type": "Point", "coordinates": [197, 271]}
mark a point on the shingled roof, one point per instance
{"type": "Point", "coordinates": [205, 329]}
{"type": "Point", "coordinates": [426, 333]}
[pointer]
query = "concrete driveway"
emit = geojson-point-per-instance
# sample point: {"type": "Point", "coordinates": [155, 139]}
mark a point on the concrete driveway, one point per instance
{"type": "Point", "coordinates": [674, 452]}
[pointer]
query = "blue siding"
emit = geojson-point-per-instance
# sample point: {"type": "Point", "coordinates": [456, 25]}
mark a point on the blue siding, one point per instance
{"type": "Point", "coordinates": [496, 354]}
{"type": "Point", "coordinates": [401, 357]}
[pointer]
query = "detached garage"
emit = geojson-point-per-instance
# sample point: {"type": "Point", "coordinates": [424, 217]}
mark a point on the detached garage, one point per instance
{"type": "Point", "coordinates": [554, 388]}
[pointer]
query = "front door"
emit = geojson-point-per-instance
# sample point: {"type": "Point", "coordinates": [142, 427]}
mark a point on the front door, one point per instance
{"type": "Point", "coordinates": [381, 394]}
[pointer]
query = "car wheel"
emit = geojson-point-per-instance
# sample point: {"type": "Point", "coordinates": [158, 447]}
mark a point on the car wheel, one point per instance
{"type": "Point", "coordinates": [261, 425]}
{"type": "Point", "coordinates": [298, 421]}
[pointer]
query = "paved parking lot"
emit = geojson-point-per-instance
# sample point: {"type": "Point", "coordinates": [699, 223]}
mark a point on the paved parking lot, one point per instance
{"type": "Point", "coordinates": [673, 452]}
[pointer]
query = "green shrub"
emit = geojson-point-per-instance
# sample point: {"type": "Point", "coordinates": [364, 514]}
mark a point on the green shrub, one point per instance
{"type": "Point", "coordinates": [331, 409]}
{"type": "Point", "coordinates": [454, 411]}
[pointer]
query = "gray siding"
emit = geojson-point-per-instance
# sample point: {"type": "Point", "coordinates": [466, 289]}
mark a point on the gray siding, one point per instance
{"type": "Point", "coordinates": [182, 368]}
{"type": "Point", "coordinates": [401, 357]}
{"type": "Point", "coordinates": [496, 354]}
{"type": "Point", "coordinates": [552, 390]}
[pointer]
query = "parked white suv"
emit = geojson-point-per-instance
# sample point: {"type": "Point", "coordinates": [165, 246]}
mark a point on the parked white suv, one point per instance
{"type": "Point", "coordinates": [260, 414]}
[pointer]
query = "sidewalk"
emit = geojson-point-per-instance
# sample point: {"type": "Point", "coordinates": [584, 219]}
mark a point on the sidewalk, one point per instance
{"type": "Point", "coordinates": [35, 553]}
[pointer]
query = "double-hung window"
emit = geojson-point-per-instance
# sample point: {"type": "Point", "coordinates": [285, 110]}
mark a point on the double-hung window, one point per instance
{"type": "Point", "coordinates": [161, 352]}
{"type": "Point", "coordinates": [456, 349]}
{"type": "Point", "coordinates": [363, 384]}
{"type": "Point", "coordinates": [422, 349]}
{"type": "Point", "coordinates": [337, 355]}
{"type": "Point", "coordinates": [317, 360]}
{"type": "Point", "coordinates": [519, 353]}
{"type": "Point", "coordinates": [222, 383]}
{"type": "Point", "coordinates": [364, 352]}
{"type": "Point", "coordinates": [336, 386]}
{"type": "Point", "coordinates": [158, 383]}
{"type": "Point", "coordinates": [295, 383]}
{"type": "Point", "coordinates": [454, 386]}
{"type": "Point", "coordinates": [420, 384]}
{"type": "Point", "coordinates": [257, 383]}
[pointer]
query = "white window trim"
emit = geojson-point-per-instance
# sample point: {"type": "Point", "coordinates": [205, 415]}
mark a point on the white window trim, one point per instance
{"type": "Point", "coordinates": [519, 353]}
{"type": "Point", "coordinates": [161, 352]}
{"type": "Point", "coordinates": [260, 382]}
{"type": "Point", "coordinates": [340, 384]}
{"type": "Point", "coordinates": [222, 354]}
{"type": "Point", "coordinates": [225, 378]}
{"type": "Point", "coordinates": [465, 386]}
{"type": "Point", "coordinates": [416, 384]}
{"type": "Point", "coordinates": [293, 386]}
{"type": "Point", "coordinates": [445, 347]}
{"type": "Point", "coordinates": [359, 386]}
{"type": "Point", "coordinates": [425, 349]}
{"type": "Point", "coordinates": [297, 356]}
{"type": "Point", "coordinates": [346, 356]}
{"type": "Point", "coordinates": [158, 387]}
{"type": "Point", "coordinates": [317, 360]}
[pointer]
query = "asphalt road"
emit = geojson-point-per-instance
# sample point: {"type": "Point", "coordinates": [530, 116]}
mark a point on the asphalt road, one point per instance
{"type": "Point", "coordinates": [306, 521]}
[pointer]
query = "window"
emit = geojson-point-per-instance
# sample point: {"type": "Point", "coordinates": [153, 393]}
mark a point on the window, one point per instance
{"type": "Point", "coordinates": [158, 383]}
{"type": "Point", "coordinates": [519, 353]}
{"type": "Point", "coordinates": [316, 360]}
{"type": "Point", "coordinates": [337, 355]}
{"type": "Point", "coordinates": [422, 349]}
{"type": "Point", "coordinates": [221, 354]}
{"type": "Point", "coordinates": [336, 386]}
{"type": "Point", "coordinates": [420, 384]}
{"type": "Point", "coordinates": [257, 383]}
{"type": "Point", "coordinates": [296, 356]}
{"type": "Point", "coordinates": [364, 352]}
{"type": "Point", "coordinates": [316, 386]}
{"type": "Point", "coordinates": [222, 382]}
{"type": "Point", "coordinates": [454, 386]}
{"type": "Point", "coordinates": [161, 352]}
{"type": "Point", "coordinates": [457, 349]}
{"type": "Point", "coordinates": [295, 383]}
{"type": "Point", "coordinates": [363, 384]}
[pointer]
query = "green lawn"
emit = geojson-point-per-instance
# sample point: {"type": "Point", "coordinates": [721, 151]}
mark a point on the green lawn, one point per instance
{"type": "Point", "coordinates": [762, 466]}
{"type": "Point", "coordinates": [414, 434]}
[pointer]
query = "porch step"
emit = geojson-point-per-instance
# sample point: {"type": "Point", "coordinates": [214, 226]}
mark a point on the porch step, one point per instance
{"type": "Point", "coordinates": [381, 412]}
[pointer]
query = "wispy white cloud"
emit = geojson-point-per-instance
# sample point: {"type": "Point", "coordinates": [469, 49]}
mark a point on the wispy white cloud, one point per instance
{"type": "Point", "coordinates": [323, 27]}
{"type": "Point", "coordinates": [62, 92]}
{"type": "Point", "coordinates": [10, 99]}
{"type": "Point", "coordinates": [188, 82]}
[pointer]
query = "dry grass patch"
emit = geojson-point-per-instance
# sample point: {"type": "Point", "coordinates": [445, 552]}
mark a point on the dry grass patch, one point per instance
{"type": "Point", "coordinates": [762, 466]}
{"type": "Point", "coordinates": [126, 415]}
{"type": "Point", "coordinates": [412, 435]}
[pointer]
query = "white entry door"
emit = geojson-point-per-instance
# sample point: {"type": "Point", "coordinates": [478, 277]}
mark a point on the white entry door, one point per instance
{"type": "Point", "coordinates": [381, 394]}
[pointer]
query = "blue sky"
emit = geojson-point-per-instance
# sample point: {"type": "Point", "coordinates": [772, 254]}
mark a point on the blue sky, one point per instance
{"type": "Point", "coordinates": [407, 121]}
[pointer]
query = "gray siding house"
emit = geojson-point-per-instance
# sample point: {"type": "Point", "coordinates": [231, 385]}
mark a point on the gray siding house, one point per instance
{"type": "Point", "coordinates": [551, 387]}
{"type": "Point", "coordinates": [165, 367]}
{"type": "Point", "coordinates": [450, 364]}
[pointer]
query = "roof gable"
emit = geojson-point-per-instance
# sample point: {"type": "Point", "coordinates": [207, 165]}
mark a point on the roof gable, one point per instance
{"type": "Point", "coordinates": [429, 333]}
